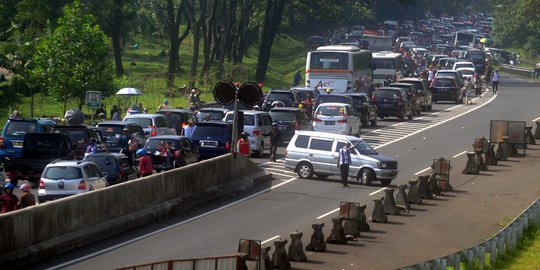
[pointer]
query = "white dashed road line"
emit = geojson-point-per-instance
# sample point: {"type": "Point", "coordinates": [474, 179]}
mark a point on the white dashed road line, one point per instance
{"type": "Point", "coordinates": [328, 213]}
{"type": "Point", "coordinates": [457, 155]}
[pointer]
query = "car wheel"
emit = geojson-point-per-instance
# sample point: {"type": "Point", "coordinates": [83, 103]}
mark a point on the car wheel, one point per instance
{"type": "Point", "coordinates": [366, 176]}
{"type": "Point", "coordinates": [410, 117]}
{"type": "Point", "coordinates": [260, 152]}
{"type": "Point", "coordinates": [374, 121]}
{"type": "Point", "coordinates": [385, 182]}
{"type": "Point", "coordinates": [304, 170]}
{"type": "Point", "coordinates": [322, 176]}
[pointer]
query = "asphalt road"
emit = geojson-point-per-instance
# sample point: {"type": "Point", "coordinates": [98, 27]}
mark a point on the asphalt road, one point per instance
{"type": "Point", "coordinates": [294, 204]}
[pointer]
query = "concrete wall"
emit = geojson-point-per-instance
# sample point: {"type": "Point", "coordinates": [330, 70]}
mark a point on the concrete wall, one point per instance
{"type": "Point", "coordinates": [64, 224]}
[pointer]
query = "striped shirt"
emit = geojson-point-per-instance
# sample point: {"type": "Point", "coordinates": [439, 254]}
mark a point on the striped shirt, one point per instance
{"type": "Point", "coordinates": [344, 156]}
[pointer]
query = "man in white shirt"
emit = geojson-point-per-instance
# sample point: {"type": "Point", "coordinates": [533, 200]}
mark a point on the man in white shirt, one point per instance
{"type": "Point", "coordinates": [495, 81]}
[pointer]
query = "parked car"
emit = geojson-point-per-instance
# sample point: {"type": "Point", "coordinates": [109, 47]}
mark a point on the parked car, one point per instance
{"type": "Point", "coordinates": [66, 178]}
{"type": "Point", "coordinates": [212, 139]}
{"type": "Point", "coordinates": [216, 114]}
{"type": "Point", "coordinates": [80, 138]}
{"type": "Point", "coordinates": [116, 165]}
{"type": "Point", "coordinates": [185, 152]}
{"type": "Point", "coordinates": [340, 118]}
{"type": "Point", "coordinates": [311, 152]}
{"type": "Point", "coordinates": [178, 118]}
{"type": "Point", "coordinates": [327, 98]}
{"type": "Point", "coordinates": [365, 108]}
{"type": "Point", "coordinates": [393, 101]}
{"type": "Point", "coordinates": [152, 124]}
{"type": "Point", "coordinates": [421, 85]}
{"type": "Point", "coordinates": [256, 123]}
{"type": "Point", "coordinates": [446, 89]}
{"type": "Point", "coordinates": [287, 97]}
{"type": "Point", "coordinates": [414, 95]}
{"type": "Point", "coordinates": [290, 120]}
{"type": "Point", "coordinates": [38, 150]}
{"type": "Point", "coordinates": [11, 141]}
{"type": "Point", "coordinates": [113, 130]}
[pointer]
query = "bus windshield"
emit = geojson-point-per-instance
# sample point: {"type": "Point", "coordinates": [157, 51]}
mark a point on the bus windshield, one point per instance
{"type": "Point", "coordinates": [329, 60]}
{"type": "Point", "coordinates": [384, 63]}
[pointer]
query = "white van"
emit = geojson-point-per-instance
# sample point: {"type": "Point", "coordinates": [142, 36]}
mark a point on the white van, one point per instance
{"type": "Point", "coordinates": [311, 152]}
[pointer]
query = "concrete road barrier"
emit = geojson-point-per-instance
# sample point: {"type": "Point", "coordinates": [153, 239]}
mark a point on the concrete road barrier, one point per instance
{"type": "Point", "coordinates": [58, 226]}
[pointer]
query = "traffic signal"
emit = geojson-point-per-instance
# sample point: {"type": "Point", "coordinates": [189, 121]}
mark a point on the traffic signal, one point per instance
{"type": "Point", "coordinates": [224, 92]}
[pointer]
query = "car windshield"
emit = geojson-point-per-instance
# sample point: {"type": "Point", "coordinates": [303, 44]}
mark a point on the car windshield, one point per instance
{"type": "Point", "coordinates": [209, 131]}
{"type": "Point", "coordinates": [66, 173]}
{"type": "Point", "coordinates": [77, 136]}
{"type": "Point", "coordinates": [462, 65]}
{"type": "Point", "coordinates": [159, 144]}
{"type": "Point", "coordinates": [174, 117]}
{"type": "Point", "coordinates": [143, 122]}
{"type": "Point", "coordinates": [331, 110]}
{"type": "Point", "coordinates": [214, 115]}
{"type": "Point", "coordinates": [282, 115]}
{"type": "Point", "coordinates": [477, 56]}
{"type": "Point", "coordinates": [280, 96]}
{"type": "Point", "coordinates": [364, 148]}
{"type": "Point", "coordinates": [19, 128]}
{"type": "Point", "coordinates": [111, 130]}
{"type": "Point", "coordinates": [249, 120]}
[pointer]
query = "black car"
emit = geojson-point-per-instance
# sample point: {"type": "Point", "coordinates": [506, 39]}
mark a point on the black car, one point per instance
{"type": "Point", "coordinates": [446, 89]}
{"type": "Point", "coordinates": [116, 165]}
{"type": "Point", "coordinates": [366, 108]}
{"type": "Point", "coordinates": [413, 94]}
{"type": "Point", "coordinates": [185, 151]}
{"type": "Point", "coordinates": [289, 120]}
{"type": "Point", "coordinates": [178, 118]}
{"type": "Point", "coordinates": [393, 101]}
{"type": "Point", "coordinates": [112, 130]}
{"type": "Point", "coordinates": [422, 88]}
{"type": "Point", "coordinates": [287, 98]}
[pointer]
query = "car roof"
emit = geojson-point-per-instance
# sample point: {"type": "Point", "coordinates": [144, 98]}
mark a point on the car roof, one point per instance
{"type": "Point", "coordinates": [166, 137]}
{"type": "Point", "coordinates": [179, 110]}
{"type": "Point", "coordinates": [334, 104]}
{"type": "Point", "coordinates": [289, 109]}
{"type": "Point", "coordinates": [411, 80]}
{"type": "Point", "coordinates": [328, 135]}
{"type": "Point", "coordinates": [213, 109]}
{"type": "Point", "coordinates": [279, 91]}
{"type": "Point", "coordinates": [118, 123]}
{"type": "Point", "coordinates": [249, 112]}
{"type": "Point", "coordinates": [213, 123]}
{"type": "Point", "coordinates": [464, 62]}
{"type": "Point", "coordinates": [389, 88]}
{"type": "Point", "coordinates": [466, 68]}
{"type": "Point", "coordinates": [143, 115]}
{"type": "Point", "coordinates": [72, 163]}
{"type": "Point", "coordinates": [401, 84]}
{"type": "Point", "coordinates": [107, 154]}
{"type": "Point", "coordinates": [357, 94]}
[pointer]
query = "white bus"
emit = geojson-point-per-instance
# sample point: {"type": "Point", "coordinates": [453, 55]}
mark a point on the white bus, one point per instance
{"type": "Point", "coordinates": [340, 68]}
{"type": "Point", "coordinates": [387, 64]}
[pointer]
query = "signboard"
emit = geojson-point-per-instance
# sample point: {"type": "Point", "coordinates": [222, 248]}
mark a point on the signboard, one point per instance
{"type": "Point", "coordinates": [250, 247]}
{"type": "Point", "coordinates": [93, 99]}
{"type": "Point", "coordinates": [348, 210]}
{"type": "Point", "coordinates": [515, 130]}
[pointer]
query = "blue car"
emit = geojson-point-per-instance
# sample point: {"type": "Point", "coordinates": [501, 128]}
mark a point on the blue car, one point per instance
{"type": "Point", "coordinates": [12, 139]}
{"type": "Point", "coordinates": [212, 138]}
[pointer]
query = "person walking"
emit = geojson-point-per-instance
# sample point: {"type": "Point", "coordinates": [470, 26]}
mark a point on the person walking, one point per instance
{"type": "Point", "coordinates": [168, 156]}
{"type": "Point", "coordinates": [495, 81]}
{"type": "Point", "coordinates": [123, 143]}
{"type": "Point", "coordinates": [478, 86]}
{"type": "Point", "coordinates": [8, 200]}
{"type": "Point", "coordinates": [243, 145]}
{"type": "Point", "coordinates": [297, 78]}
{"type": "Point", "coordinates": [344, 161]}
{"type": "Point", "coordinates": [145, 163]}
{"type": "Point", "coordinates": [164, 106]}
{"type": "Point", "coordinates": [115, 113]}
{"type": "Point", "coordinates": [194, 100]}
{"type": "Point", "coordinates": [27, 199]}
{"type": "Point", "coordinates": [188, 129]}
{"type": "Point", "coordinates": [275, 140]}
{"type": "Point", "coordinates": [91, 148]}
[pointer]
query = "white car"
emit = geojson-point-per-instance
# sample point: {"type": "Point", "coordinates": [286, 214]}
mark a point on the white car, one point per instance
{"type": "Point", "coordinates": [339, 118]}
{"type": "Point", "coordinates": [463, 65]}
{"type": "Point", "coordinates": [468, 73]}
{"type": "Point", "coordinates": [256, 123]}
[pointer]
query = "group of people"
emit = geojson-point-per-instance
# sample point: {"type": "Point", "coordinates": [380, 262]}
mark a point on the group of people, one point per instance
{"type": "Point", "coordinates": [10, 202]}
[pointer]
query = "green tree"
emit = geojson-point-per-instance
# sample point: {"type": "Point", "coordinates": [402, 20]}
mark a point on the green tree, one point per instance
{"type": "Point", "coordinates": [74, 58]}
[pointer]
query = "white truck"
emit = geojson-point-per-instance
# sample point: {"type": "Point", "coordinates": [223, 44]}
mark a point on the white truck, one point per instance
{"type": "Point", "coordinates": [379, 43]}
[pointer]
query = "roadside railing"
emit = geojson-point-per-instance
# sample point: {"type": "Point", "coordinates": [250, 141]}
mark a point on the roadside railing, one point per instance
{"type": "Point", "coordinates": [520, 71]}
{"type": "Point", "coordinates": [501, 243]}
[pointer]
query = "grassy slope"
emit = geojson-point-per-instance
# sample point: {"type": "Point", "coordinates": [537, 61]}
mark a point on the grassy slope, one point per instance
{"type": "Point", "coordinates": [145, 70]}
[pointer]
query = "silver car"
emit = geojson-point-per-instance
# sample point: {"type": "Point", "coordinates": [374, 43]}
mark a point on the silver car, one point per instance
{"type": "Point", "coordinates": [311, 152]}
{"type": "Point", "coordinates": [66, 178]}
{"type": "Point", "coordinates": [256, 124]}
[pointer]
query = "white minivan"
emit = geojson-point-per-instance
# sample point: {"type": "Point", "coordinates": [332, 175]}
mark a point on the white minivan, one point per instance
{"type": "Point", "coordinates": [316, 153]}
{"type": "Point", "coordinates": [340, 118]}
{"type": "Point", "coordinates": [256, 124]}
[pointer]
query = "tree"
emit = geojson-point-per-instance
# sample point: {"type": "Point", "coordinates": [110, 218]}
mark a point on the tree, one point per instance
{"type": "Point", "coordinates": [74, 59]}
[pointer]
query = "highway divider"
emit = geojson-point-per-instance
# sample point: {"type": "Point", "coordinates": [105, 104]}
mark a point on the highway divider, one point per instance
{"type": "Point", "coordinates": [61, 225]}
{"type": "Point", "coordinates": [520, 71]}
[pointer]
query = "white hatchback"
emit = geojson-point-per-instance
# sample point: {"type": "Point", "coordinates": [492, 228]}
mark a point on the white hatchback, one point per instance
{"type": "Point", "coordinates": [458, 65]}
{"type": "Point", "coordinates": [340, 118]}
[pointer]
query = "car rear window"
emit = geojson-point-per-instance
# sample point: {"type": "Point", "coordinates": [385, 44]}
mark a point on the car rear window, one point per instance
{"type": "Point", "coordinates": [282, 115]}
{"type": "Point", "coordinates": [111, 130]}
{"type": "Point", "coordinates": [331, 110]}
{"type": "Point", "coordinates": [67, 173]}
{"type": "Point", "coordinates": [280, 96]}
{"type": "Point", "coordinates": [386, 94]}
{"type": "Point", "coordinates": [209, 131]}
{"type": "Point", "coordinates": [19, 128]}
{"type": "Point", "coordinates": [159, 144]}
{"type": "Point", "coordinates": [328, 99]}
{"type": "Point", "coordinates": [249, 119]}
{"type": "Point", "coordinates": [77, 136]}
{"type": "Point", "coordinates": [417, 84]}
{"type": "Point", "coordinates": [443, 83]}
{"type": "Point", "coordinates": [143, 122]}
{"type": "Point", "coordinates": [467, 72]}
{"type": "Point", "coordinates": [214, 115]}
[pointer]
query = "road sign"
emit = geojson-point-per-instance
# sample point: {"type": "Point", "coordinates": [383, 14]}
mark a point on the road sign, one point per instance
{"type": "Point", "coordinates": [93, 99]}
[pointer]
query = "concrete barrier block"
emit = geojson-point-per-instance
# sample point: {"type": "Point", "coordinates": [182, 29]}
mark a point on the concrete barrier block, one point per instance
{"type": "Point", "coordinates": [500, 244]}
{"type": "Point", "coordinates": [491, 248]}
{"type": "Point", "coordinates": [454, 260]}
{"type": "Point", "coordinates": [468, 254]}
{"type": "Point", "coordinates": [480, 255]}
{"type": "Point", "coordinates": [439, 264]}
{"type": "Point", "coordinates": [389, 203]}
{"type": "Point", "coordinates": [280, 260]}
{"type": "Point", "coordinates": [296, 249]}
{"type": "Point", "coordinates": [317, 239]}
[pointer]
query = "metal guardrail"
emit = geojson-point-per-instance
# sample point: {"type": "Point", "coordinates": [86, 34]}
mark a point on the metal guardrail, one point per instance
{"type": "Point", "coordinates": [504, 241]}
{"type": "Point", "coordinates": [520, 71]}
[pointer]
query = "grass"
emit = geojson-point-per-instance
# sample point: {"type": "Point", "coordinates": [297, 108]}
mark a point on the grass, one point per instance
{"type": "Point", "coordinates": [145, 69]}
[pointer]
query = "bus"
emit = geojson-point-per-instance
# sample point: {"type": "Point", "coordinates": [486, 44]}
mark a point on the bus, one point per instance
{"type": "Point", "coordinates": [342, 69]}
{"type": "Point", "coordinates": [387, 64]}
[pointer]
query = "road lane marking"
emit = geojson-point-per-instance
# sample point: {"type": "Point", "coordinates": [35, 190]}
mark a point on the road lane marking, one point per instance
{"type": "Point", "coordinates": [536, 119]}
{"type": "Point", "coordinates": [270, 239]}
{"type": "Point", "coordinates": [329, 213]}
{"type": "Point", "coordinates": [457, 155]}
{"type": "Point", "coordinates": [133, 240]}
{"type": "Point", "coordinates": [422, 171]}
{"type": "Point", "coordinates": [377, 191]}
{"type": "Point", "coordinates": [281, 174]}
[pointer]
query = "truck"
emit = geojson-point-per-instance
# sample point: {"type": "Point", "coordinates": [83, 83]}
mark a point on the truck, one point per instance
{"type": "Point", "coordinates": [465, 38]}
{"type": "Point", "coordinates": [379, 43]}
{"type": "Point", "coordinates": [38, 150]}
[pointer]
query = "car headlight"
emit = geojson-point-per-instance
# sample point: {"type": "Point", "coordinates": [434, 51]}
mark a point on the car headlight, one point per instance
{"type": "Point", "coordinates": [382, 165]}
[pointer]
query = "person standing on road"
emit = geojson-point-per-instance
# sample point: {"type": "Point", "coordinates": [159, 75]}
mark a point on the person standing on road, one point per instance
{"type": "Point", "coordinates": [27, 199]}
{"type": "Point", "coordinates": [344, 161]}
{"type": "Point", "coordinates": [243, 145]}
{"type": "Point", "coordinates": [495, 81]}
{"type": "Point", "coordinates": [168, 156]}
{"type": "Point", "coordinates": [92, 147]}
{"type": "Point", "coordinates": [478, 86]}
{"type": "Point", "coordinates": [297, 78]}
{"type": "Point", "coordinates": [8, 200]}
{"type": "Point", "coordinates": [164, 106]}
{"type": "Point", "coordinates": [275, 140]}
{"type": "Point", "coordinates": [145, 163]}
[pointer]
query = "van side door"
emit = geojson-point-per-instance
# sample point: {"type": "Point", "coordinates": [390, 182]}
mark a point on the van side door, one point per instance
{"type": "Point", "coordinates": [320, 155]}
